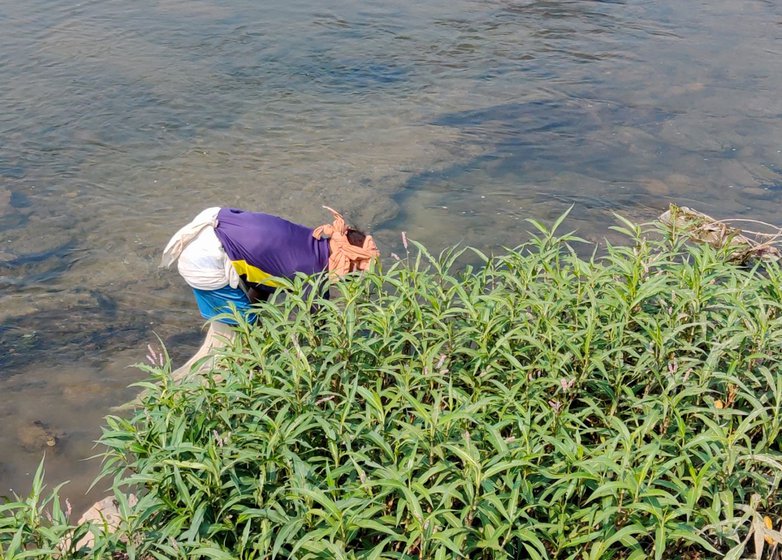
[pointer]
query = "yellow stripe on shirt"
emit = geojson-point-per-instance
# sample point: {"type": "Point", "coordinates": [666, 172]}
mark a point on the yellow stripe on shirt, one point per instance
{"type": "Point", "coordinates": [254, 274]}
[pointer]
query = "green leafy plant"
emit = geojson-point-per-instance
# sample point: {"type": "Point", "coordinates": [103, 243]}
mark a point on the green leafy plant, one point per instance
{"type": "Point", "coordinates": [39, 526]}
{"type": "Point", "coordinates": [539, 404]}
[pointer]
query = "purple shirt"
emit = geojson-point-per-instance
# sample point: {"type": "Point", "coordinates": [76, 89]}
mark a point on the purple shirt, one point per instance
{"type": "Point", "coordinates": [261, 245]}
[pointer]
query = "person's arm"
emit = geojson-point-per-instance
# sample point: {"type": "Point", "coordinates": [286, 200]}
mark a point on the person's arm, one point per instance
{"type": "Point", "coordinates": [259, 292]}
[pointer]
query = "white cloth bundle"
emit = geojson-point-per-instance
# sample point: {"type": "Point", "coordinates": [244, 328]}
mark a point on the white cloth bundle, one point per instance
{"type": "Point", "coordinates": [202, 261]}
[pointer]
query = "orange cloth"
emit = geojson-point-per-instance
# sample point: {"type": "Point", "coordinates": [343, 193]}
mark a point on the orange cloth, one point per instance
{"type": "Point", "coordinates": [344, 257]}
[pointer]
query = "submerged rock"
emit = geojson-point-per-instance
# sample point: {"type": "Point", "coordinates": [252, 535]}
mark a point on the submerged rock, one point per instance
{"type": "Point", "coordinates": [80, 393]}
{"type": "Point", "coordinates": [37, 435]}
{"type": "Point", "coordinates": [106, 516]}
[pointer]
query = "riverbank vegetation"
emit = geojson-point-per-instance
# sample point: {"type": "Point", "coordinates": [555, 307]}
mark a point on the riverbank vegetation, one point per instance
{"type": "Point", "coordinates": [538, 404]}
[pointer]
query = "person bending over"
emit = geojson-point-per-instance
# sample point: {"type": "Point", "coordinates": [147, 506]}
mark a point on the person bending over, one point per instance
{"type": "Point", "coordinates": [230, 257]}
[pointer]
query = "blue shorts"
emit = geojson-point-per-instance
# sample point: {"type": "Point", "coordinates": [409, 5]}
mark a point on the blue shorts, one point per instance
{"type": "Point", "coordinates": [212, 303]}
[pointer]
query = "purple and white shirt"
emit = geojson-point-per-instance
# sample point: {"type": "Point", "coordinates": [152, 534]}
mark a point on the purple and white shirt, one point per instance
{"type": "Point", "coordinates": [222, 244]}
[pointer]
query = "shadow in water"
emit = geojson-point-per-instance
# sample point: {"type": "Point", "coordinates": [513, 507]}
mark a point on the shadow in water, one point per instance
{"type": "Point", "coordinates": [73, 333]}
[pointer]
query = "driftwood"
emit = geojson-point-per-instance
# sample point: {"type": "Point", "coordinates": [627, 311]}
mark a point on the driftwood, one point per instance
{"type": "Point", "coordinates": [744, 246]}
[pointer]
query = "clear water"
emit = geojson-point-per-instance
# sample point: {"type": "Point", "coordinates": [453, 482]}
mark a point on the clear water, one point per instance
{"type": "Point", "coordinates": [453, 120]}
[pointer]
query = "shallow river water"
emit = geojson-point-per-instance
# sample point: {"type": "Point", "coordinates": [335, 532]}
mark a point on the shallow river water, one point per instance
{"type": "Point", "coordinates": [452, 120]}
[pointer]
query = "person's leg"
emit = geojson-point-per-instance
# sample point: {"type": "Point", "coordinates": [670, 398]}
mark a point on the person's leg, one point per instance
{"type": "Point", "coordinates": [214, 305]}
{"type": "Point", "coordinates": [218, 336]}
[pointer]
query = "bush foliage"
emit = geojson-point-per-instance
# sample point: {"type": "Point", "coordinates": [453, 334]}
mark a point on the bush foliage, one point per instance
{"type": "Point", "coordinates": [540, 405]}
